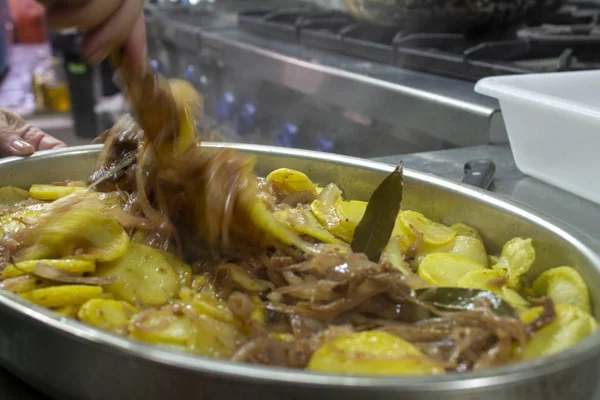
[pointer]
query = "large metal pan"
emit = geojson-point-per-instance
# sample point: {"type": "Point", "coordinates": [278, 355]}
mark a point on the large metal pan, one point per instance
{"type": "Point", "coordinates": [70, 360]}
{"type": "Point", "coordinates": [448, 15]}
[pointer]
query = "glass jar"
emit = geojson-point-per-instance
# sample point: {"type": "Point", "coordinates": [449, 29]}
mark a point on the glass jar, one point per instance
{"type": "Point", "coordinates": [50, 87]}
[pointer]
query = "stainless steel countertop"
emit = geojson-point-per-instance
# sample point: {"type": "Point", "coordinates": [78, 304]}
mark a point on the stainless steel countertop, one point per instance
{"type": "Point", "coordinates": [582, 215]}
{"type": "Point", "coordinates": [397, 96]}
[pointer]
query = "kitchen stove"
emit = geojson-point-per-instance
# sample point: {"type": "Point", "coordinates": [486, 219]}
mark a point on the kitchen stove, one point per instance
{"type": "Point", "coordinates": [317, 79]}
{"type": "Point", "coordinates": [287, 73]}
{"type": "Point", "coordinates": [568, 39]}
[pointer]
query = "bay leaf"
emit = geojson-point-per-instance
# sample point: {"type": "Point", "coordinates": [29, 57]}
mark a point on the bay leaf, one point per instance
{"type": "Point", "coordinates": [462, 299]}
{"type": "Point", "coordinates": [375, 228]}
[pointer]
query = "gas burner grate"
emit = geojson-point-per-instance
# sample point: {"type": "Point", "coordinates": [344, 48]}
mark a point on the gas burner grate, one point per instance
{"type": "Point", "coordinates": [568, 39]}
{"type": "Point", "coordinates": [286, 24]}
{"type": "Point", "coordinates": [355, 39]}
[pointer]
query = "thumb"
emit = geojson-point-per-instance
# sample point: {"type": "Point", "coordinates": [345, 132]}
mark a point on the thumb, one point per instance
{"type": "Point", "coordinates": [13, 145]}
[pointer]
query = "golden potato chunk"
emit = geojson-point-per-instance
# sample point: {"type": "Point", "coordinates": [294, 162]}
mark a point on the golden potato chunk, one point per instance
{"type": "Point", "coordinates": [465, 246]}
{"type": "Point", "coordinates": [433, 233]}
{"type": "Point", "coordinates": [207, 304]}
{"type": "Point", "coordinates": [71, 266]}
{"type": "Point", "coordinates": [110, 315]}
{"type": "Point", "coordinates": [493, 281]}
{"type": "Point", "coordinates": [341, 218]}
{"type": "Point", "coordinates": [394, 255]}
{"type": "Point", "coordinates": [571, 325]}
{"type": "Point", "coordinates": [23, 283]}
{"type": "Point", "coordinates": [11, 223]}
{"type": "Point", "coordinates": [145, 275]}
{"type": "Point", "coordinates": [372, 353]}
{"type": "Point", "coordinates": [304, 222]}
{"type": "Point", "coordinates": [76, 226]}
{"type": "Point", "coordinates": [466, 230]}
{"type": "Point", "coordinates": [199, 334]}
{"type": "Point", "coordinates": [290, 181]}
{"type": "Point", "coordinates": [52, 192]}
{"type": "Point", "coordinates": [564, 286]}
{"type": "Point", "coordinates": [61, 296]}
{"type": "Point", "coordinates": [404, 236]}
{"type": "Point", "coordinates": [188, 101]}
{"type": "Point", "coordinates": [444, 269]}
{"type": "Point", "coordinates": [517, 257]}
{"type": "Point", "coordinates": [10, 195]}
{"type": "Point", "coordinates": [67, 311]}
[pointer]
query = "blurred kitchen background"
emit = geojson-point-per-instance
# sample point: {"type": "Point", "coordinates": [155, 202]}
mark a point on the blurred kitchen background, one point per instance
{"type": "Point", "coordinates": [328, 75]}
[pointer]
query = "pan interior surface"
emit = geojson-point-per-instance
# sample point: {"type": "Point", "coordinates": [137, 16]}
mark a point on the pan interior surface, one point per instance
{"type": "Point", "coordinates": [437, 198]}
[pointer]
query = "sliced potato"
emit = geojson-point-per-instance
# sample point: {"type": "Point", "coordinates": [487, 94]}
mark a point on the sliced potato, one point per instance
{"type": "Point", "coordinates": [23, 283]}
{"type": "Point", "coordinates": [10, 195]}
{"type": "Point", "coordinates": [465, 246]}
{"type": "Point", "coordinates": [263, 219]}
{"type": "Point", "coordinates": [445, 270]}
{"type": "Point", "coordinates": [72, 266]}
{"type": "Point", "coordinates": [564, 286]}
{"type": "Point", "coordinates": [433, 233]}
{"type": "Point", "coordinates": [23, 218]}
{"type": "Point", "coordinates": [394, 255]}
{"type": "Point", "coordinates": [304, 222]}
{"type": "Point", "coordinates": [571, 325]}
{"type": "Point", "coordinates": [110, 315]}
{"type": "Point", "coordinates": [490, 280]}
{"type": "Point", "coordinates": [162, 327]}
{"type": "Point", "coordinates": [67, 311]}
{"type": "Point", "coordinates": [353, 210]}
{"type": "Point", "coordinates": [258, 313]}
{"type": "Point", "coordinates": [205, 304]}
{"type": "Point", "coordinates": [404, 235]}
{"type": "Point", "coordinates": [290, 181]}
{"type": "Point", "coordinates": [189, 103]}
{"type": "Point", "coordinates": [517, 257]}
{"type": "Point", "coordinates": [52, 192]}
{"type": "Point", "coordinates": [335, 220]}
{"type": "Point", "coordinates": [199, 334]}
{"type": "Point", "coordinates": [145, 275]}
{"type": "Point", "coordinates": [112, 199]}
{"type": "Point", "coordinates": [283, 337]}
{"type": "Point", "coordinates": [61, 296]}
{"type": "Point", "coordinates": [203, 284]}
{"type": "Point", "coordinates": [184, 271]}
{"type": "Point", "coordinates": [76, 226]}
{"type": "Point", "coordinates": [372, 353]}
{"type": "Point", "coordinates": [139, 237]}
{"type": "Point", "coordinates": [466, 230]}
{"type": "Point", "coordinates": [214, 338]}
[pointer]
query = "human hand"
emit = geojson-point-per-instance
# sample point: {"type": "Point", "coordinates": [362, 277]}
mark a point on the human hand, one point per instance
{"type": "Point", "coordinates": [19, 138]}
{"type": "Point", "coordinates": [107, 25]}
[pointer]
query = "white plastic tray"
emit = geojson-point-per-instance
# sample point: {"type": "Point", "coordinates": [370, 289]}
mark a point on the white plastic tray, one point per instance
{"type": "Point", "coordinates": [553, 125]}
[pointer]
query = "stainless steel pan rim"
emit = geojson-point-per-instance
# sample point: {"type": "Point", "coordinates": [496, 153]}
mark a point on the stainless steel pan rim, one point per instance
{"type": "Point", "coordinates": [585, 350]}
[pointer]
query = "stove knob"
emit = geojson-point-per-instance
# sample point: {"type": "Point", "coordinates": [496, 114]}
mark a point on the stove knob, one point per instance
{"type": "Point", "coordinates": [224, 107]}
{"type": "Point", "coordinates": [155, 65]}
{"type": "Point", "coordinates": [288, 136]}
{"type": "Point", "coordinates": [246, 119]}
{"type": "Point", "coordinates": [325, 145]}
{"type": "Point", "coordinates": [190, 73]}
{"type": "Point", "coordinates": [203, 82]}
{"type": "Point", "coordinates": [194, 76]}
